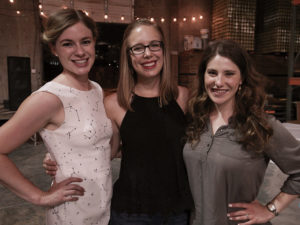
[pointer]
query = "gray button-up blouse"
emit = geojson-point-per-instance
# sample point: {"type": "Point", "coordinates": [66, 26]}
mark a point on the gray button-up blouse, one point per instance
{"type": "Point", "coordinates": [221, 172]}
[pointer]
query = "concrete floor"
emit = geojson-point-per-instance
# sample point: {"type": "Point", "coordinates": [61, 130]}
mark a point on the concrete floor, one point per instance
{"type": "Point", "coordinates": [15, 211]}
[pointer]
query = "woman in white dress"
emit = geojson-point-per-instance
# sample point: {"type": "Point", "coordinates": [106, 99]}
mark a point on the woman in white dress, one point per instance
{"type": "Point", "coordinates": [69, 113]}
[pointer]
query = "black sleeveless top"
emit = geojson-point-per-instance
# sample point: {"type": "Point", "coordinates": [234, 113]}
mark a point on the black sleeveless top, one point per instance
{"type": "Point", "coordinates": [153, 177]}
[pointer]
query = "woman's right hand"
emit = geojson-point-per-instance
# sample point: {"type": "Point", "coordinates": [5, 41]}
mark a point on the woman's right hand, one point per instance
{"type": "Point", "coordinates": [49, 165]}
{"type": "Point", "coordinates": [64, 191]}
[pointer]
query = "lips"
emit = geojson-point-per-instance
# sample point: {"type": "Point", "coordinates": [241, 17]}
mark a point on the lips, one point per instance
{"type": "Point", "coordinates": [81, 62]}
{"type": "Point", "coordinates": [218, 92]}
{"type": "Point", "coordinates": [149, 65]}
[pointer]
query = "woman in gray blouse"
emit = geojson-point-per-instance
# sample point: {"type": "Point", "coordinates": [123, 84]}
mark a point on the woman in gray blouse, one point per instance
{"type": "Point", "coordinates": [230, 141]}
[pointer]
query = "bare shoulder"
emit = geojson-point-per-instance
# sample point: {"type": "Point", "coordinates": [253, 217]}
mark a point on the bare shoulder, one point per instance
{"type": "Point", "coordinates": [44, 100]}
{"type": "Point", "coordinates": [33, 114]}
{"type": "Point", "coordinates": [183, 97]}
{"type": "Point", "coordinates": [111, 102]}
{"type": "Point", "coordinates": [183, 92]}
{"type": "Point", "coordinates": [113, 109]}
{"type": "Point", "coordinates": [40, 105]}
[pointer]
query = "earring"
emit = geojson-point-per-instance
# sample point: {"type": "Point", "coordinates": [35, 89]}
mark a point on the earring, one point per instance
{"type": "Point", "coordinates": [240, 88]}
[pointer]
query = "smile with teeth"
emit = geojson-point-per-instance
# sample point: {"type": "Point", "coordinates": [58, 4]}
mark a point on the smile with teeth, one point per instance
{"type": "Point", "coordinates": [80, 62]}
{"type": "Point", "coordinates": [218, 91]}
{"type": "Point", "coordinates": [149, 65]}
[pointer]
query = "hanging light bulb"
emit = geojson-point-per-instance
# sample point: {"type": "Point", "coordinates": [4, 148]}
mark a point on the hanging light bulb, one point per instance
{"type": "Point", "coordinates": [162, 20]}
{"type": "Point", "coordinates": [11, 1]}
{"type": "Point", "coordinates": [184, 19]}
{"type": "Point", "coordinates": [40, 6]}
{"type": "Point", "coordinates": [18, 12]}
{"type": "Point", "coordinates": [200, 17]}
{"type": "Point", "coordinates": [174, 19]}
{"type": "Point", "coordinates": [193, 19]}
{"type": "Point", "coordinates": [122, 18]}
{"type": "Point", "coordinates": [106, 9]}
{"type": "Point", "coordinates": [86, 12]}
{"type": "Point", "coordinates": [151, 19]}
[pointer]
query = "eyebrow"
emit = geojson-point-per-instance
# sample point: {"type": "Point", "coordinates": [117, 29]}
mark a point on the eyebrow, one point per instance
{"type": "Point", "coordinates": [84, 38]}
{"type": "Point", "coordinates": [148, 43]}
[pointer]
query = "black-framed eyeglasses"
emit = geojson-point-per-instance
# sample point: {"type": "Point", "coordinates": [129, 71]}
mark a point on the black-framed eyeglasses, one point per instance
{"type": "Point", "coordinates": [154, 46]}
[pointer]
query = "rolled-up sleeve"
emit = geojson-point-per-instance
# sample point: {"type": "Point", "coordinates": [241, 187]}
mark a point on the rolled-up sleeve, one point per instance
{"type": "Point", "coordinates": [284, 151]}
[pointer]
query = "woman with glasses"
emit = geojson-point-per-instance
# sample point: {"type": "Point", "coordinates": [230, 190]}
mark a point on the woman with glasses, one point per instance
{"type": "Point", "coordinates": [149, 110]}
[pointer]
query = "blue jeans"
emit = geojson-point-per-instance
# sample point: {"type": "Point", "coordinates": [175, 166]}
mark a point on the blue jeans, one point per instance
{"type": "Point", "coordinates": [145, 219]}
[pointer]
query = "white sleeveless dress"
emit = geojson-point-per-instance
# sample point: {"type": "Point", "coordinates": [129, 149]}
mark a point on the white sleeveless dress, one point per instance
{"type": "Point", "coordinates": [81, 148]}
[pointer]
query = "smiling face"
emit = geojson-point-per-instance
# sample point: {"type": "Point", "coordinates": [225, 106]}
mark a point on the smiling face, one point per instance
{"type": "Point", "coordinates": [75, 49]}
{"type": "Point", "coordinates": [222, 80]}
{"type": "Point", "coordinates": [148, 64]}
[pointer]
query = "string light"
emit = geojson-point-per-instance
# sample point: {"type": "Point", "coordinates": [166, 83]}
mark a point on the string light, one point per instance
{"type": "Point", "coordinates": [18, 12]}
{"type": "Point", "coordinates": [11, 1]}
{"type": "Point", "coordinates": [122, 18]}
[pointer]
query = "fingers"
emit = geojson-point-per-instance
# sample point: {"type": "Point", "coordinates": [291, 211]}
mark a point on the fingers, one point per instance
{"type": "Point", "coordinates": [50, 166]}
{"type": "Point", "coordinates": [241, 217]}
{"type": "Point", "coordinates": [72, 192]}
{"type": "Point", "coordinates": [238, 205]}
{"type": "Point", "coordinates": [71, 180]}
{"type": "Point", "coordinates": [69, 184]}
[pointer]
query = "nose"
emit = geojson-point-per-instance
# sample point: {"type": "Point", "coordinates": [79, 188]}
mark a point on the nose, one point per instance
{"type": "Point", "coordinates": [147, 51]}
{"type": "Point", "coordinates": [219, 80]}
{"type": "Point", "coordinates": [79, 50]}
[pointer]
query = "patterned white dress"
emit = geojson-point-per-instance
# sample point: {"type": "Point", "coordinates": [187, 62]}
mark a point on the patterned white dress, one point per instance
{"type": "Point", "coordinates": [81, 148]}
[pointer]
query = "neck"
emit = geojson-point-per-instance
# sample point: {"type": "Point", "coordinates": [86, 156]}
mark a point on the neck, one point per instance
{"type": "Point", "coordinates": [224, 112]}
{"type": "Point", "coordinates": [147, 88]}
{"type": "Point", "coordinates": [220, 116]}
{"type": "Point", "coordinates": [78, 82]}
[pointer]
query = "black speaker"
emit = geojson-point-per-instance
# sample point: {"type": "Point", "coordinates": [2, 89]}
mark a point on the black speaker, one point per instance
{"type": "Point", "coordinates": [19, 80]}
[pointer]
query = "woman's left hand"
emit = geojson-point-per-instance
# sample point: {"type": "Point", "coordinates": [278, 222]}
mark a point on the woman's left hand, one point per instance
{"type": "Point", "coordinates": [253, 213]}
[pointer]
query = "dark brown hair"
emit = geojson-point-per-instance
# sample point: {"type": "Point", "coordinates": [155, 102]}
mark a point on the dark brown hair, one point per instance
{"type": "Point", "coordinates": [249, 119]}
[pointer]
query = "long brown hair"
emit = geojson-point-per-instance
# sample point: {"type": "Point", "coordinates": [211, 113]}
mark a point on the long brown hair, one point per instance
{"type": "Point", "coordinates": [249, 119]}
{"type": "Point", "coordinates": [128, 77]}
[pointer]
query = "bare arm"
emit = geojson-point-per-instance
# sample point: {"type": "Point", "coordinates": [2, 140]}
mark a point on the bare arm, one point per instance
{"type": "Point", "coordinates": [115, 142]}
{"type": "Point", "coordinates": [183, 97]}
{"type": "Point", "coordinates": [116, 114]}
{"type": "Point", "coordinates": [35, 112]}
